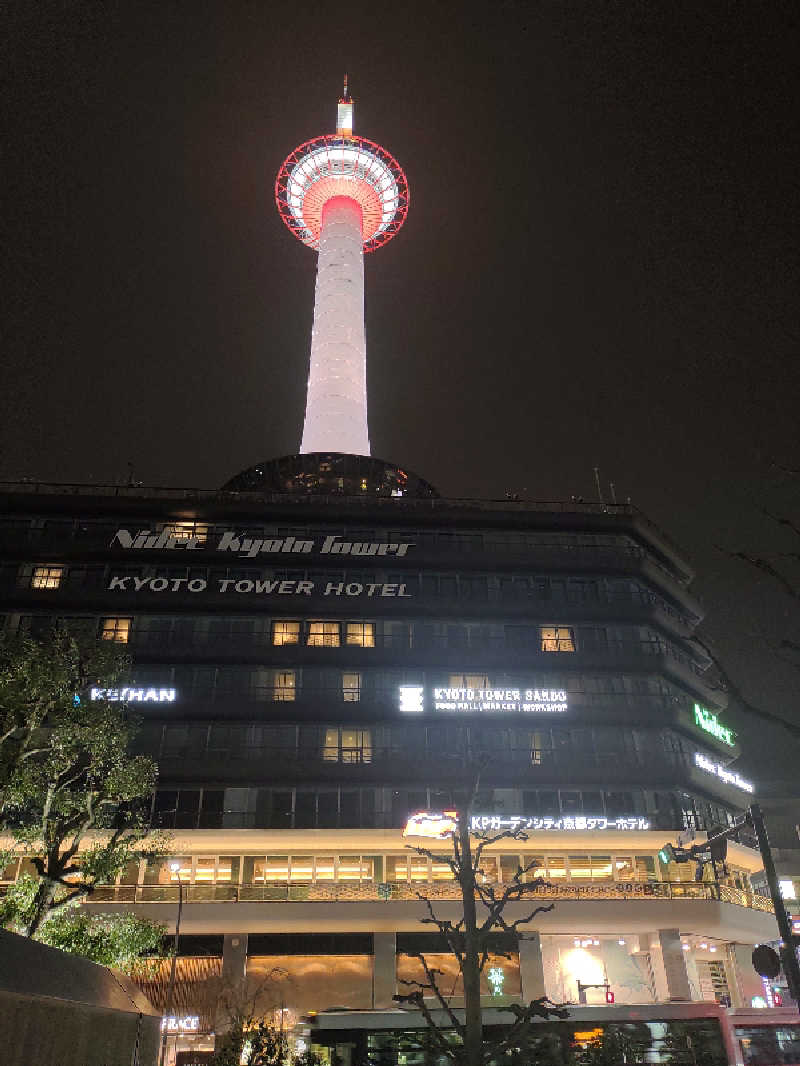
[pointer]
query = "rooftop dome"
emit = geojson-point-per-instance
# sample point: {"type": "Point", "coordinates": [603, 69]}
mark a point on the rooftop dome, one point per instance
{"type": "Point", "coordinates": [331, 473]}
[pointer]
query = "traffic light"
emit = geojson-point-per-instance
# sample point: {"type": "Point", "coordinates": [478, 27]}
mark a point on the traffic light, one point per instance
{"type": "Point", "coordinates": [669, 853]}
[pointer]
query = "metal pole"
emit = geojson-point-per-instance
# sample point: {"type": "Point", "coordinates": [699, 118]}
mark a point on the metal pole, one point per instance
{"type": "Point", "coordinates": [171, 987]}
{"type": "Point", "coordinates": [788, 952]}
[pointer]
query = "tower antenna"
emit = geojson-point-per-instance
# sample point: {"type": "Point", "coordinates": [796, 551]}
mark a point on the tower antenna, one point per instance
{"type": "Point", "coordinates": [342, 195]}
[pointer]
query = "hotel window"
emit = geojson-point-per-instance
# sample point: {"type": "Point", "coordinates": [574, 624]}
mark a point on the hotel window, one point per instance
{"type": "Point", "coordinates": [351, 688]}
{"type": "Point", "coordinates": [285, 633]}
{"type": "Point", "coordinates": [473, 681]}
{"type": "Point", "coordinates": [323, 635]}
{"type": "Point", "coordinates": [347, 745]}
{"type": "Point", "coordinates": [556, 638]}
{"type": "Point", "coordinates": [47, 577]}
{"type": "Point", "coordinates": [118, 629]}
{"type": "Point", "coordinates": [590, 867]}
{"type": "Point", "coordinates": [284, 686]}
{"type": "Point", "coordinates": [185, 530]}
{"type": "Point", "coordinates": [361, 634]}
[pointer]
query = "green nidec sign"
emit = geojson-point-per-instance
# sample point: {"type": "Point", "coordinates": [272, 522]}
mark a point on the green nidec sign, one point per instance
{"type": "Point", "coordinates": [708, 721]}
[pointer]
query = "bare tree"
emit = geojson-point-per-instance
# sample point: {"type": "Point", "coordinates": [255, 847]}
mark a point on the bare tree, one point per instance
{"type": "Point", "coordinates": [469, 939]}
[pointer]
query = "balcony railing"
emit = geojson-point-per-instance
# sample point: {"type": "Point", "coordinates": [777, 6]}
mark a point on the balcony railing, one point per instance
{"type": "Point", "coordinates": [389, 891]}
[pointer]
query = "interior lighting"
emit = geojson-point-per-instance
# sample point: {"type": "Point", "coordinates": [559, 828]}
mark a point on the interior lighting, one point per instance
{"type": "Point", "coordinates": [596, 943]}
{"type": "Point", "coordinates": [685, 947]}
{"type": "Point", "coordinates": [704, 947]}
{"type": "Point", "coordinates": [621, 942]}
{"type": "Point", "coordinates": [712, 948]}
{"type": "Point", "coordinates": [576, 942]}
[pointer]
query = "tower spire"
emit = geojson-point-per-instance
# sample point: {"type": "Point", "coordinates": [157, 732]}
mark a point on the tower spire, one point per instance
{"type": "Point", "coordinates": [344, 114]}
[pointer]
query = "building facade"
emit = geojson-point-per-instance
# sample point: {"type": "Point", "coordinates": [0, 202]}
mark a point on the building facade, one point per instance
{"type": "Point", "coordinates": [319, 646]}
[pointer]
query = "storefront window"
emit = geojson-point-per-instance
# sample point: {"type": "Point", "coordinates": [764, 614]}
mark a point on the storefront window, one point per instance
{"type": "Point", "coordinates": [205, 869]}
{"type": "Point", "coordinates": [276, 869]}
{"type": "Point", "coordinates": [440, 869]}
{"type": "Point", "coordinates": [228, 869]}
{"type": "Point", "coordinates": [253, 869]}
{"type": "Point", "coordinates": [323, 868]}
{"type": "Point", "coordinates": [488, 872]}
{"type": "Point", "coordinates": [301, 870]}
{"type": "Point", "coordinates": [556, 868]}
{"type": "Point", "coordinates": [623, 867]}
{"type": "Point", "coordinates": [160, 872]}
{"type": "Point", "coordinates": [417, 868]}
{"type": "Point", "coordinates": [536, 867]}
{"type": "Point", "coordinates": [396, 867]}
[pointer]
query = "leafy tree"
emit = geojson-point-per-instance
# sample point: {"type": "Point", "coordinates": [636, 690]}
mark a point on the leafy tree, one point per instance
{"type": "Point", "coordinates": [121, 940]}
{"type": "Point", "coordinates": [72, 797]}
{"type": "Point", "coordinates": [470, 940]}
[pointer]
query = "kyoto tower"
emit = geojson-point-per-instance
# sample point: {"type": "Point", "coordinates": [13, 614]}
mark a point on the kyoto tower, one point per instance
{"type": "Point", "coordinates": [342, 195]}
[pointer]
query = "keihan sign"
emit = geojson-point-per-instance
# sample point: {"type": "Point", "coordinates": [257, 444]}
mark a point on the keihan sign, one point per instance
{"type": "Point", "coordinates": [708, 721]}
{"type": "Point", "coordinates": [250, 547]}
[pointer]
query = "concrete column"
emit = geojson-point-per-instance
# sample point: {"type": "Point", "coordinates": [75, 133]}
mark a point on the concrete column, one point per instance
{"type": "Point", "coordinates": [531, 968]}
{"type": "Point", "coordinates": [384, 972]}
{"type": "Point", "coordinates": [336, 404]}
{"type": "Point", "coordinates": [743, 981]}
{"type": "Point", "coordinates": [673, 966]}
{"type": "Point", "coordinates": [234, 957]}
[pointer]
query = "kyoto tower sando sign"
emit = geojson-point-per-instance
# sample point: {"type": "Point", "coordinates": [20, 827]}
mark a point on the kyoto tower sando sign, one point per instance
{"type": "Point", "coordinates": [342, 195]}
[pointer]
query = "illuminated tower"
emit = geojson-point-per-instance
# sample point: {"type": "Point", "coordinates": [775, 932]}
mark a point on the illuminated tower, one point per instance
{"type": "Point", "coordinates": [344, 196]}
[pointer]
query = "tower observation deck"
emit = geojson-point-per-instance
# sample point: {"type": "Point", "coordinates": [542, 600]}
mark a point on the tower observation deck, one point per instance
{"type": "Point", "coordinates": [341, 195]}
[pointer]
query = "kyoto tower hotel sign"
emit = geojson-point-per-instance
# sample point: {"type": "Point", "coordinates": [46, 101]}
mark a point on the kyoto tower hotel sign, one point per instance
{"type": "Point", "coordinates": [344, 196]}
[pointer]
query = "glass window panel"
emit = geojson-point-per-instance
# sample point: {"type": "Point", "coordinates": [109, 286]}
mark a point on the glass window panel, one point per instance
{"type": "Point", "coordinates": [354, 868]}
{"type": "Point", "coordinates": [276, 869]}
{"type": "Point", "coordinates": [534, 866]}
{"type": "Point", "coordinates": [646, 867]}
{"type": "Point", "coordinates": [205, 868]}
{"type": "Point", "coordinates": [418, 868]}
{"type": "Point", "coordinates": [349, 809]}
{"type": "Point", "coordinates": [130, 875]}
{"type": "Point", "coordinates": [580, 868]}
{"type": "Point", "coordinates": [396, 867]}
{"type": "Point", "coordinates": [47, 577]}
{"type": "Point", "coordinates": [117, 629]}
{"type": "Point", "coordinates": [253, 872]}
{"type": "Point", "coordinates": [601, 868]}
{"type": "Point", "coordinates": [351, 688]}
{"type": "Point", "coordinates": [509, 864]}
{"type": "Point", "coordinates": [305, 810]}
{"type": "Point", "coordinates": [323, 634]}
{"type": "Point", "coordinates": [285, 633]}
{"type": "Point", "coordinates": [440, 869]}
{"type": "Point", "coordinates": [488, 869]}
{"type": "Point", "coordinates": [623, 867]}
{"type": "Point", "coordinates": [361, 634]}
{"type": "Point", "coordinates": [160, 872]}
{"type": "Point", "coordinates": [330, 749]}
{"type": "Point", "coordinates": [228, 869]}
{"type": "Point", "coordinates": [323, 867]}
{"type": "Point", "coordinates": [556, 868]}
{"type": "Point", "coordinates": [556, 638]}
{"type": "Point", "coordinates": [284, 686]}
{"type": "Point", "coordinates": [302, 869]}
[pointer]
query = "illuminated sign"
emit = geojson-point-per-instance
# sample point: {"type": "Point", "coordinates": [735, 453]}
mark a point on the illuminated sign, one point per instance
{"type": "Point", "coordinates": [180, 1023]}
{"type": "Point", "coordinates": [730, 777]}
{"type": "Point", "coordinates": [412, 699]}
{"type": "Point", "coordinates": [473, 700]}
{"type": "Point", "coordinates": [708, 721]}
{"type": "Point", "coordinates": [134, 695]}
{"type": "Point", "coordinates": [439, 825]}
{"type": "Point", "coordinates": [130, 583]}
{"type": "Point", "coordinates": [496, 977]}
{"type": "Point", "coordinates": [432, 825]}
{"type": "Point", "coordinates": [250, 547]}
{"type": "Point", "coordinates": [482, 823]}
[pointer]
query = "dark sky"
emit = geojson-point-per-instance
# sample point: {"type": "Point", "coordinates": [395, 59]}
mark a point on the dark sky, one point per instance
{"type": "Point", "coordinates": [599, 266]}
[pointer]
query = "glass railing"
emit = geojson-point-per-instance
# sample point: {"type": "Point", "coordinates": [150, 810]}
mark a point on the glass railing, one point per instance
{"type": "Point", "coordinates": [444, 890]}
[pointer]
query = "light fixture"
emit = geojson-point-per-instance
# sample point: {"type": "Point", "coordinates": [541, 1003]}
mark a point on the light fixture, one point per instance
{"type": "Point", "coordinates": [576, 942]}
{"type": "Point", "coordinates": [174, 866]}
{"type": "Point", "coordinates": [596, 943]}
{"type": "Point", "coordinates": [712, 948]}
{"type": "Point", "coordinates": [704, 947]}
{"type": "Point", "coordinates": [621, 942]}
{"type": "Point", "coordinates": [685, 947]}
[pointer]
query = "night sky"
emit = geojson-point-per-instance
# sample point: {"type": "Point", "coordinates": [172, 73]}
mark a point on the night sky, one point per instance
{"type": "Point", "coordinates": [599, 266]}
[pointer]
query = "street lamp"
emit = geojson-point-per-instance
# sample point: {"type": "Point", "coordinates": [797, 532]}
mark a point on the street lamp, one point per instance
{"type": "Point", "coordinates": [175, 868]}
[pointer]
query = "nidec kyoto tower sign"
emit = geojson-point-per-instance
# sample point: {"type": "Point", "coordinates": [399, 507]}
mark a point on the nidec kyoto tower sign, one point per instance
{"type": "Point", "coordinates": [344, 196]}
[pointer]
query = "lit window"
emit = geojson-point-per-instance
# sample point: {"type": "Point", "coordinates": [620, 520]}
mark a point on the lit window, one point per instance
{"type": "Point", "coordinates": [323, 634]}
{"type": "Point", "coordinates": [473, 681]}
{"type": "Point", "coordinates": [786, 886]}
{"type": "Point", "coordinates": [351, 688]}
{"type": "Point", "coordinates": [347, 745]}
{"type": "Point", "coordinates": [185, 530]}
{"type": "Point", "coordinates": [285, 633]}
{"type": "Point", "coordinates": [285, 685]}
{"type": "Point", "coordinates": [556, 638]}
{"type": "Point", "coordinates": [117, 629]}
{"type": "Point", "coordinates": [47, 577]}
{"type": "Point", "coordinates": [361, 634]}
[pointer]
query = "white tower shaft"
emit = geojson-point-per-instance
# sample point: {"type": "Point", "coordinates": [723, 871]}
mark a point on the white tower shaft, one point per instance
{"type": "Point", "coordinates": [336, 406]}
